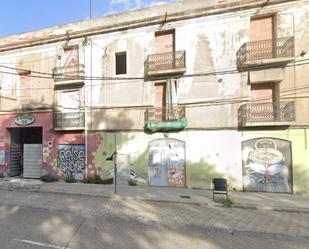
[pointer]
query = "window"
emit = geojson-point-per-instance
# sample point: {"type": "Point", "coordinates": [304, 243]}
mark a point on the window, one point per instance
{"type": "Point", "coordinates": [121, 63]}
{"type": "Point", "coordinates": [165, 41]}
{"type": "Point", "coordinates": [25, 87]}
{"type": "Point", "coordinates": [70, 101]}
{"type": "Point", "coordinates": [71, 56]}
{"type": "Point", "coordinates": [264, 92]}
{"type": "Point", "coordinates": [262, 28]}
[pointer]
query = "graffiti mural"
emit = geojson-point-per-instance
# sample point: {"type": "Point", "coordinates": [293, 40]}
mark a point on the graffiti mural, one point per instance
{"type": "Point", "coordinates": [166, 165]}
{"type": "Point", "coordinates": [267, 165]}
{"type": "Point", "coordinates": [71, 160]}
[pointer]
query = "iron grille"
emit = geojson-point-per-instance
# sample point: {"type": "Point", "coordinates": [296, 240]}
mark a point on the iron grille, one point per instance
{"type": "Point", "coordinates": [266, 112]}
{"type": "Point", "coordinates": [65, 120]}
{"type": "Point", "coordinates": [166, 61]}
{"type": "Point", "coordinates": [67, 73]}
{"type": "Point", "coordinates": [266, 49]}
{"type": "Point", "coordinates": [162, 114]}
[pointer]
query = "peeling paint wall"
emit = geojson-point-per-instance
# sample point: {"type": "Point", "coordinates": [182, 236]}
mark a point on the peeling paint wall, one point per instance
{"type": "Point", "coordinates": [211, 43]}
{"type": "Point", "coordinates": [212, 99]}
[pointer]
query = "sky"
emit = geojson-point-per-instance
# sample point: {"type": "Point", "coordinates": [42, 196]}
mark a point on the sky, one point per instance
{"type": "Point", "coordinates": [19, 16]}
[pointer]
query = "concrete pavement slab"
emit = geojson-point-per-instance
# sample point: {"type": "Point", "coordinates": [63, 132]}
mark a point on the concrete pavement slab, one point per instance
{"type": "Point", "coordinates": [248, 200]}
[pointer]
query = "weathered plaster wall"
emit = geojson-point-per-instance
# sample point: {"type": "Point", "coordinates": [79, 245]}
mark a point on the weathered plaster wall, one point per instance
{"type": "Point", "coordinates": [209, 154]}
{"type": "Point", "coordinates": [40, 89]}
{"type": "Point", "coordinates": [211, 43]}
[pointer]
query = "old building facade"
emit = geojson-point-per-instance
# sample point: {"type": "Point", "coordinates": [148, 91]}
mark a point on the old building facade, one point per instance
{"type": "Point", "coordinates": [184, 92]}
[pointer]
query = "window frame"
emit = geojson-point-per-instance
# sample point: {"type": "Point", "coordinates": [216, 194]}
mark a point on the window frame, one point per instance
{"type": "Point", "coordinates": [121, 67]}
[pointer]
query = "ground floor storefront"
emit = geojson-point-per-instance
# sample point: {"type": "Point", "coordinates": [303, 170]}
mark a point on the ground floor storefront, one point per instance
{"type": "Point", "coordinates": [29, 147]}
{"type": "Point", "coordinates": [265, 160]}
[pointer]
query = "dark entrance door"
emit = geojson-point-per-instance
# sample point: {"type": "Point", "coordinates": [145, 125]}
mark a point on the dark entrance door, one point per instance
{"type": "Point", "coordinates": [20, 137]}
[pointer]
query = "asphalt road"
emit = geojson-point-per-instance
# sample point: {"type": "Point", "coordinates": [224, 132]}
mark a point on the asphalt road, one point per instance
{"type": "Point", "coordinates": [43, 220]}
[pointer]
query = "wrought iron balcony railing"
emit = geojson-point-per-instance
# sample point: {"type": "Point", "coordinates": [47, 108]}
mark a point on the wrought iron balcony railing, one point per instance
{"type": "Point", "coordinates": [266, 113]}
{"type": "Point", "coordinates": [266, 49]}
{"type": "Point", "coordinates": [163, 114]}
{"type": "Point", "coordinates": [69, 73]}
{"type": "Point", "coordinates": [69, 120]}
{"type": "Point", "coordinates": [166, 61]}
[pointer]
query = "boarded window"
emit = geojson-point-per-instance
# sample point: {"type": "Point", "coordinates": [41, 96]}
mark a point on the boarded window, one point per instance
{"type": "Point", "coordinates": [71, 56]}
{"type": "Point", "coordinates": [70, 101]}
{"type": "Point", "coordinates": [25, 87]}
{"type": "Point", "coordinates": [7, 84]}
{"type": "Point", "coordinates": [265, 92]}
{"type": "Point", "coordinates": [121, 63]}
{"type": "Point", "coordinates": [160, 92]}
{"type": "Point", "coordinates": [165, 42]}
{"type": "Point", "coordinates": [262, 28]}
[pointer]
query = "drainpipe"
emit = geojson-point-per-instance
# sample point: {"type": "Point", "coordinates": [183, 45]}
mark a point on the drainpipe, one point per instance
{"type": "Point", "coordinates": [86, 128]}
{"type": "Point", "coordinates": [88, 90]}
{"type": "Point", "coordinates": [86, 98]}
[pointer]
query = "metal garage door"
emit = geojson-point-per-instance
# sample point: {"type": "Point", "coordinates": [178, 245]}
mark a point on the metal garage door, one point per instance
{"type": "Point", "coordinates": [32, 160]}
{"type": "Point", "coordinates": [16, 153]}
{"type": "Point", "coordinates": [15, 165]}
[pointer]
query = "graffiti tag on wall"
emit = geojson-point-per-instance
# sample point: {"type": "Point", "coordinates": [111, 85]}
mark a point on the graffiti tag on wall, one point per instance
{"type": "Point", "coordinates": [71, 160]}
{"type": "Point", "coordinates": [267, 165]}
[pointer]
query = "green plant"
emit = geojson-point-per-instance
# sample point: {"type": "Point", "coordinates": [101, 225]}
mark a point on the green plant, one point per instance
{"type": "Point", "coordinates": [87, 181]}
{"type": "Point", "coordinates": [69, 179]}
{"type": "Point", "coordinates": [225, 201]}
{"type": "Point", "coordinates": [97, 180]}
{"type": "Point", "coordinates": [48, 178]}
{"type": "Point", "coordinates": [132, 182]}
{"type": "Point", "coordinates": [108, 181]}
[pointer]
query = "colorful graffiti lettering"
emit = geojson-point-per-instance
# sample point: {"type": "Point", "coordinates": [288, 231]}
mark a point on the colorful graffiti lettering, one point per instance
{"type": "Point", "coordinates": [71, 159]}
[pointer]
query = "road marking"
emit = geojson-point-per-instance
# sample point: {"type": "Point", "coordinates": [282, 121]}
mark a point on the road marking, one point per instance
{"type": "Point", "coordinates": [40, 244]}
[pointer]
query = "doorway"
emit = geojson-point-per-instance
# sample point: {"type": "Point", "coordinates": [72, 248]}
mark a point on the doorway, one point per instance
{"type": "Point", "coordinates": [167, 163]}
{"type": "Point", "coordinates": [262, 29]}
{"type": "Point", "coordinates": [165, 50]}
{"type": "Point", "coordinates": [160, 100]}
{"type": "Point", "coordinates": [264, 92]}
{"type": "Point", "coordinates": [26, 152]}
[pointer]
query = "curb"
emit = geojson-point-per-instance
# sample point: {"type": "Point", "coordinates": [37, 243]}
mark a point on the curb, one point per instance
{"type": "Point", "coordinates": [209, 204]}
{"type": "Point", "coordinates": [119, 197]}
{"type": "Point", "coordinates": [269, 208]}
{"type": "Point", "coordinates": [191, 202]}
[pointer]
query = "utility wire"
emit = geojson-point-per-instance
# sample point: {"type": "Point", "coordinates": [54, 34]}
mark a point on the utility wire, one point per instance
{"type": "Point", "coordinates": [202, 74]}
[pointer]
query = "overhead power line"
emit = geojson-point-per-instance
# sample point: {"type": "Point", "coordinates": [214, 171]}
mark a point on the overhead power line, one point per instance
{"type": "Point", "coordinates": [50, 76]}
{"type": "Point", "coordinates": [231, 70]}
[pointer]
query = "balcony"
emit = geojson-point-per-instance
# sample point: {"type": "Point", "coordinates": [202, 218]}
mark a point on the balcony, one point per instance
{"type": "Point", "coordinates": [165, 119]}
{"type": "Point", "coordinates": [276, 51]}
{"type": "Point", "coordinates": [69, 121]}
{"type": "Point", "coordinates": [69, 75]}
{"type": "Point", "coordinates": [266, 114]}
{"type": "Point", "coordinates": [166, 63]}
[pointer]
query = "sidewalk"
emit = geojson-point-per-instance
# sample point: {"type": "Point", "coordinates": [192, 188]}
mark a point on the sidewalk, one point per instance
{"type": "Point", "coordinates": [248, 200]}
